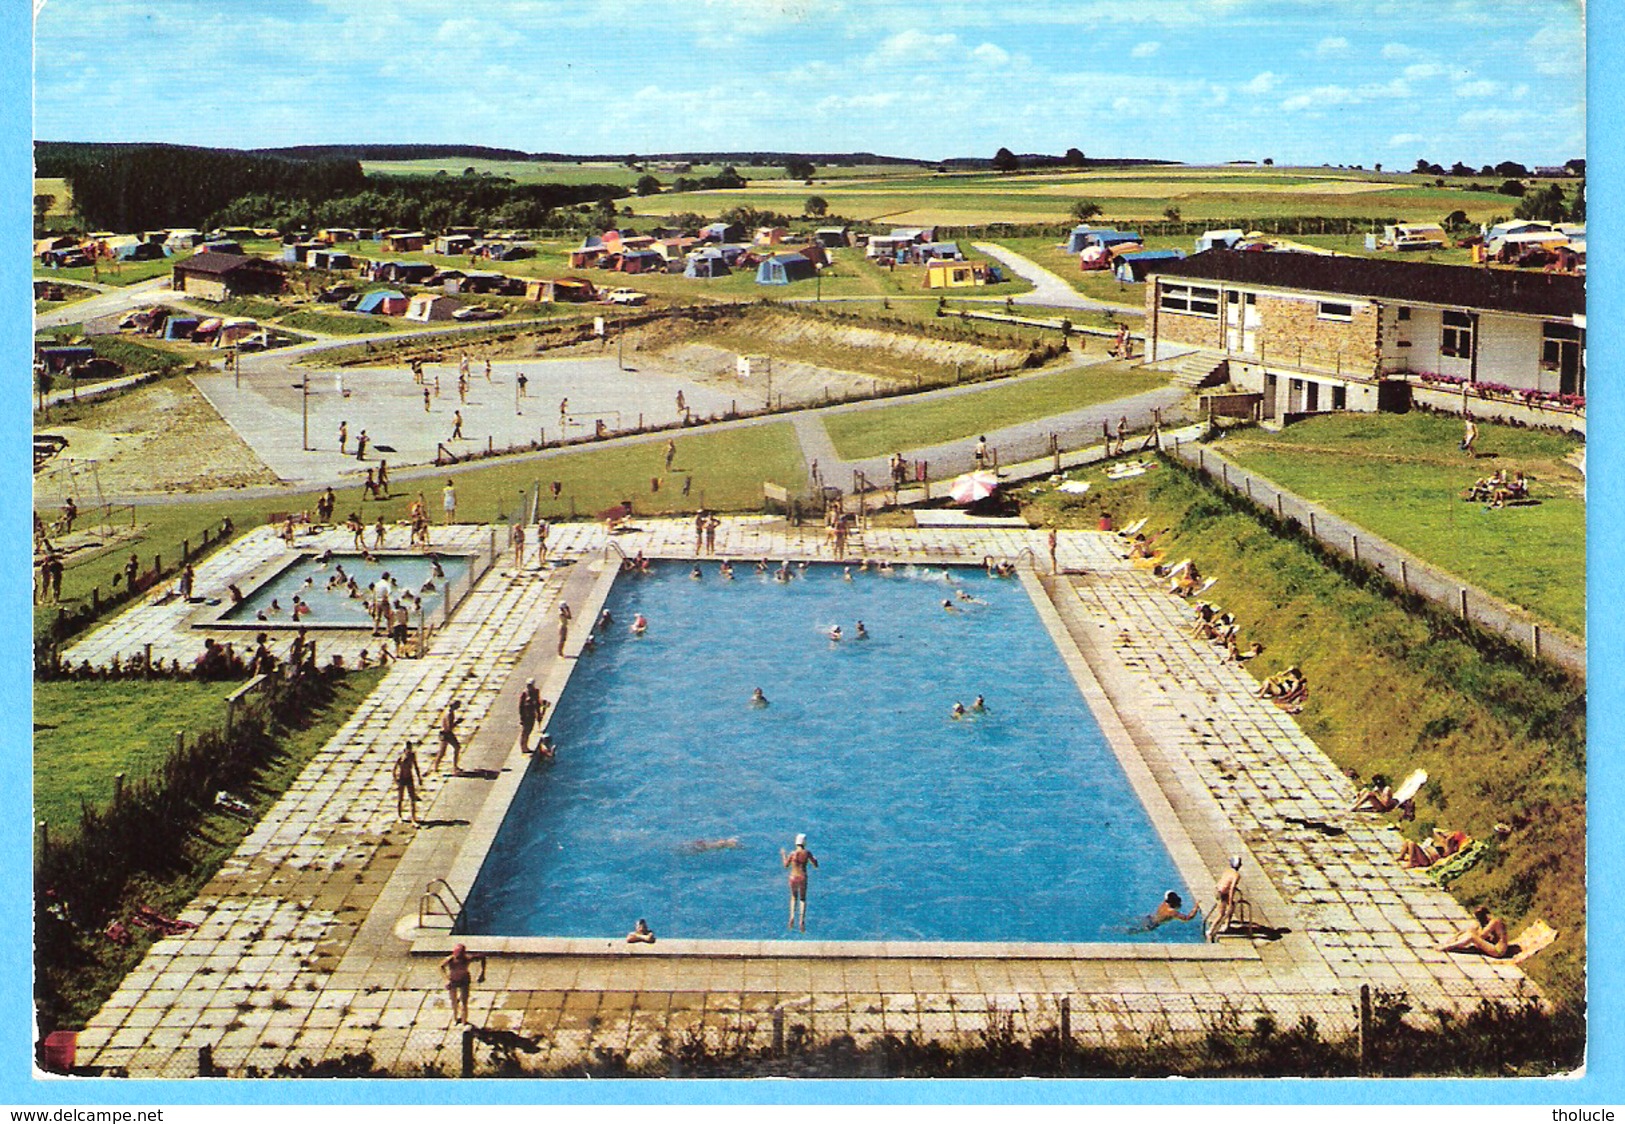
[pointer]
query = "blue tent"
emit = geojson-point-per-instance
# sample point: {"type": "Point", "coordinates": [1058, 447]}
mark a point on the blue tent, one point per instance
{"type": "Point", "coordinates": [1075, 240]}
{"type": "Point", "coordinates": [139, 251]}
{"type": "Point", "coordinates": [1110, 237]}
{"type": "Point", "coordinates": [375, 300]}
{"type": "Point", "coordinates": [783, 270]}
{"type": "Point", "coordinates": [1133, 267]}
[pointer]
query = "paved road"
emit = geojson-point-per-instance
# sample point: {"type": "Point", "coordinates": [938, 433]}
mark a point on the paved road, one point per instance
{"type": "Point", "coordinates": [104, 303]}
{"type": "Point", "coordinates": [1444, 589]}
{"type": "Point", "coordinates": [1051, 288]}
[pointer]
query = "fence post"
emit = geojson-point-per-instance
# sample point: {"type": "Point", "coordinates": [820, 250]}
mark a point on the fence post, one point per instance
{"type": "Point", "coordinates": [44, 838]}
{"type": "Point", "coordinates": [1201, 459]}
{"type": "Point", "coordinates": [1404, 576]}
{"type": "Point", "coordinates": [180, 741]}
{"type": "Point", "coordinates": [1464, 603]}
{"type": "Point", "coordinates": [1224, 472]}
{"type": "Point", "coordinates": [118, 789]}
{"type": "Point", "coordinates": [1355, 539]}
{"type": "Point", "coordinates": [468, 1051]}
{"type": "Point", "coordinates": [1280, 506]}
{"type": "Point", "coordinates": [1534, 639]}
{"type": "Point", "coordinates": [1365, 1025]}
{"type": "Point", "coordinates": [1249, 482]}
{"type": "Point", "coordinates": [1312, 533]}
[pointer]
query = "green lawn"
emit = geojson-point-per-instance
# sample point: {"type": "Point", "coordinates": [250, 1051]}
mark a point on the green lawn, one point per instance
{"type": "Point", "coordinates": [110, 273]}
{"type": "Point", "coordinates": [86, 732]}
{"type": "Point", "coordinates": [1402, 477]}
{"type": "Point", "coordinates": [912, 425]}
{"type": "Point", "coordinates": [1390, 691]}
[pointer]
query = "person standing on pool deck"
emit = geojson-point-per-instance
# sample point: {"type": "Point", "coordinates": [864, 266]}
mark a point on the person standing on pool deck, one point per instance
{"type": "Point", "coordinates": [458, 979]}
{"type": "Point", "coordinates": [530, 709]}
{"type": "Point", "coordinates": [408, 775]}
{"type": "Point", "coordinates": [1053, 542]}
{"type": "Point", "coordinates": [518, 537]}
{"type": "Point", "coordinates": [797, 862]}
{"type": "Point", "coordinates": [448, 499]}
{"type": "Point", "coordinates": [448, 737]}
{"type": "Point", "coordinates": [344, 436]}
{"type": "Point", "coordinates": [1224, 899]}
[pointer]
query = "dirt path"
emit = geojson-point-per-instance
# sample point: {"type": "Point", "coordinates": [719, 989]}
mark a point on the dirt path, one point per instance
{"type": "Point", "coordinates": [163, 438]}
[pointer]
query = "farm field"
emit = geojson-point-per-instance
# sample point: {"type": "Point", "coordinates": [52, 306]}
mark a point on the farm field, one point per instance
{"type": "Point", "coordinates": [1402, 477]}
{"type": "Point", "coordinates": [971, 198]}
{"type": "Point", "coordinates": [553, 171]}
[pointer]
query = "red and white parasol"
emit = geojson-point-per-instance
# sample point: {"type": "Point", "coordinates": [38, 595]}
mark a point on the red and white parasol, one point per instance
{"type": "Point", "coordinates": [973, 486]}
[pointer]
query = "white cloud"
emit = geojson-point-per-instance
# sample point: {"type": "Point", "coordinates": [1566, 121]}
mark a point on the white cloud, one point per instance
{"type": "Point", "coordinates": [1483, 88]}
{"type": "Point", "coordinates": [1145, 50]}
{"type": "Point", "coordinates": [911, 47]}
{"type": "Point", "coordinates": [1559, 49]}
{"type": "Point", "coordinates": [1424, 70]}
{"type": "Point", "coordinates": [1332, 45]}
{"type": "Point", "coordinates": [991, 54]}
{"type": "Point", "coordinates": [1261, 83]}
{"type": "Point", "coordinates": [1399, 52]}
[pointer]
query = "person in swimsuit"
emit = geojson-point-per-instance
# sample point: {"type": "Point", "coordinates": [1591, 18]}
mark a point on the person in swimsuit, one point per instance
{"type": "Point", "coordinates": [640, 625]}
{"type": "Point", "coordinates": [458, 978]}
{"type": "Point", "coordinates": [1225, 899]}
{"type": "Point", "coordinates": [641, 933]}
{"type": "Point", "coordinates": [407, 778]}
{"type": "Point", "coordinates": [1489, 936]}
{"type": "Point", "coordinates": [1168, 910]}
{"type": "Point", "coordinates": [797, 862]}
{"type": "Point", "coordinates": [757, 698]}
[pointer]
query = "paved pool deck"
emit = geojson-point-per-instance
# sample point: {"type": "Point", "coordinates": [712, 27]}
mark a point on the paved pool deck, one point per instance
{"type": "Point", "coordinates": [308, 943]}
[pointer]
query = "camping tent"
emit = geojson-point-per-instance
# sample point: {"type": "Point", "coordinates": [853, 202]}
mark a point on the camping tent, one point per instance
{"type": "Point", "coordinates": [785, 269]}
{"type": "Point", "coordinates": [1219, 239]}
{"type": "Point", "coordinates": [1134, 266]}
{"type": "Point", "coordinates": [1075, 240]}
{"type": "Point", "coordinates": [383, 302]}
{"type": "Point", "coordinates": [428, 306]}
{"type": "Point", "coordinates": [706, 265]}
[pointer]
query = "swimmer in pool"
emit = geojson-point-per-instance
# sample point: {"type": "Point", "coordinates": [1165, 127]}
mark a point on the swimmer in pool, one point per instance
{"type": "Point", "coordinates": [966, 595]}
{"type": "Point", "coordinates": [1168, 910]}
{"type": "Point", "coordinates": [885, 568]}
{"type": "Point", "coordinates": [846, 574]}
{"type": "Point", "coordinates": [640, 625]}
{"type": "Point", "coordinates": [861, 633]}
{"type": "Point", "coordinates": [958, 710]}
{"type": "Point", "coordinates": [980, 705]}
{"type": "Point", "coordinates": [757, 698]}
{"type": "Point", "coordinates": [949, 605]}
{"type": "Point", "coordinates": [604, 621]}
{"type": "Point", "coordinates": [835, 633]}
{"type": "Point", "coordinates": [276, 608]}
{"type": "Point", "coordinates": [726, 570]}
{"type": "Point", "coordinates": [695, 575]}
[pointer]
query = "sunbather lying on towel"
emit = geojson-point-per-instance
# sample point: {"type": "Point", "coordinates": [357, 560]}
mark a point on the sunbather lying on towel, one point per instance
{"type": "Point", "coordinates": [1489, 936]}
{"type": "Point", "coordinates": [1418, 856]}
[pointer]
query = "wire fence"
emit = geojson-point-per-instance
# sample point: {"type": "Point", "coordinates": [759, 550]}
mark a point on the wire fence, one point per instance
{"type": "Point", "coordinates": [1360, 1030]}
{"type": "Point", "coordinates": [1410, 574]}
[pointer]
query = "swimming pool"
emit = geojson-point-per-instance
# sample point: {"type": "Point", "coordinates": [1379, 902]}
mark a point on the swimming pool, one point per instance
{"type": "Point", "coordinates": [335, 608]}
{"type": "Point", "coordinates": [1013, 825]}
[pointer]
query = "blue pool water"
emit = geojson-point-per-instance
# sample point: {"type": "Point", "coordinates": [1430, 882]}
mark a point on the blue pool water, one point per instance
{"type": "Point", "coordinates": [336, 608]}
{"type": "Point", "coordinates": [1014, 825]}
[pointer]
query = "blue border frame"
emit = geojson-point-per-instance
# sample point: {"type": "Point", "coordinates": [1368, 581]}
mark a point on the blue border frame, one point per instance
{"type": "Point", "coordinates": [1603, 1080]}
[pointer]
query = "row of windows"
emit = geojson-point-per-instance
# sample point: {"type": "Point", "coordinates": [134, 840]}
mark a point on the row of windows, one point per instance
{"type": "Point", "coordinates": [1195, 299]}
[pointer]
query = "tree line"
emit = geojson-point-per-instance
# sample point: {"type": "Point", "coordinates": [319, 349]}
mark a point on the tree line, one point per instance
{"type": "Point", "coordinates": [147, 187]}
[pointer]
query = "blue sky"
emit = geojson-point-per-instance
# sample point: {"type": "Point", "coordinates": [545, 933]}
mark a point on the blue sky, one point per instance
{"type": "Point", "coordinates": [1311, 81]}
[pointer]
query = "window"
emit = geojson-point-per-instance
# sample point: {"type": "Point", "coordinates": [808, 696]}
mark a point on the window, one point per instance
{"type": "Point", "coordinates": [1404, 314]}
{"type": "Point", "coordinates": [1457, 341]}
{"type": "Point", "coordinates": [1340, 397]}
{"type": "Point", "coordinates": [1332, 311]}
{"type": "Point", "coordinates": [1195, 299]}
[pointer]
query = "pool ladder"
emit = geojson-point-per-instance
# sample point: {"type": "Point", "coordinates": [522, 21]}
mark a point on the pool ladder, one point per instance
{"type": "Point", "coordinates": [432, 902]}
{"type": "Point", "coordinates": [610, 545]}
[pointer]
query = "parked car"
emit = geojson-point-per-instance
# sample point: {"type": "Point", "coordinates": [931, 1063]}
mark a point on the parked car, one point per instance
{"type": "Point", "coordinates": [476, 312]}
{"type": "Point", "coordinates": [625, 296]}
{"type": "Point", "coordinates": [333, 294]}
{"type": "Point", "coordinates": [351, 303]}
{"type": "Point", "coordinates": [97, 368]}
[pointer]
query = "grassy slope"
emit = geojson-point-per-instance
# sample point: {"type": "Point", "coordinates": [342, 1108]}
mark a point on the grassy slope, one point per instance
{"type": "Point", "coordinates": [86, 732]}
{"type": "Point", "coordinates": [1503, 740]}
{"type": "Point", "coordinates": [1402, 477]}
{"type": "Point", "coordinates": [78, 995]}
{"type": "Point", "coordinates": [870, 433]}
